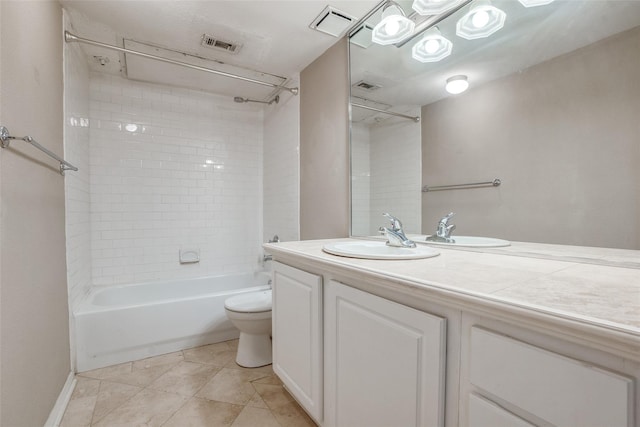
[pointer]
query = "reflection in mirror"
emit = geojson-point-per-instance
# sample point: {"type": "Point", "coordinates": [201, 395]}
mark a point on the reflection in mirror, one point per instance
{"type": "Point", "coordinates": [552, 110]}
{"type": "Point", "coordinates": [385, 169]}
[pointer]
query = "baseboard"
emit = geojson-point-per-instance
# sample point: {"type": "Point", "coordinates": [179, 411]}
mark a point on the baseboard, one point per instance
{"type": "Point", "coordinates": [56, 414]}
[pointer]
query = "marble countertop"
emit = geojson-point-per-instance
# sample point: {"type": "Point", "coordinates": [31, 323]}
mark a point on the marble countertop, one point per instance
{"type": "Point", "coordinates": [579, 254]}
{"type": "Point", "coordinates": [604, 295]}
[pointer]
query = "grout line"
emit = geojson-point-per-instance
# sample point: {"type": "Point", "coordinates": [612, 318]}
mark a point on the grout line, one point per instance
{"type": "Point", "coordinates": [117, 407]}
{"type": "Point", "coordinates": [220, 368]}
{"type": "Point", "coordinates": [93, 410]}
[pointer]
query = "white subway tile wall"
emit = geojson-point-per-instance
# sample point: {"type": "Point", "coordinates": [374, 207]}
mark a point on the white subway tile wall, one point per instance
{"type": "Point", "coordinates": [386, 174]}
{"type": "Point", "coordinates": [396, 172]}
{"type": "Point", "coordinates": [281, 168]}
{"type": "Point", "coordinates": [77, 187]}
{"type": "Point", "coordinates": [360, 180]}
{"type": "Point", "coordinates": [172, 169]}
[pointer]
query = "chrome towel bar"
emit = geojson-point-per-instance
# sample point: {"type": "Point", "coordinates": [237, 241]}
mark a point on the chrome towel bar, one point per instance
{"type": "Point", "coordinates": [6, 138]}
{"type": "Point", "coordinates": [495, 183]}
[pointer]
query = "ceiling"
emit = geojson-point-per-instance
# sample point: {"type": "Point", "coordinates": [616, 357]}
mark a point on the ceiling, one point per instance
{"type": "Point", "coordinates": [274, 35]}
{"type": "Point", "coordinates": [530, 36]}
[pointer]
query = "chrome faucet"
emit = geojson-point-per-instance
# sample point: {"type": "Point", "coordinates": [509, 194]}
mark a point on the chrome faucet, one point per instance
{"type": "Point", "coordinates": [444, 230]}
{"type": "Point", "coordinates": [394, 234]}
{"type": "Point", "coordinates": [269, 257]}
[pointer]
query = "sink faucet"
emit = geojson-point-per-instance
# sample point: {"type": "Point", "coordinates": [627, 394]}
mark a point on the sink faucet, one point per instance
{"type": "Point", "coordinates": [394, 234]}
{"type": "Point", "coordinates": [444, 230]}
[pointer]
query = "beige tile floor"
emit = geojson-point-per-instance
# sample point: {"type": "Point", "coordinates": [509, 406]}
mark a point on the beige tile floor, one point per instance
{"type": "Point", "coordinates": [202, 386]}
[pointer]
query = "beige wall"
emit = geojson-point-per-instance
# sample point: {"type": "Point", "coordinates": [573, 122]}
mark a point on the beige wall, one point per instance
{"type": "Point", "coordinates": [563, 137]}
{"type": "Point", "coordinates": [324, 146]}
{"type": "Point", "coordinates": [34, 338]}
{"type": "Point", "coordinates": [1, 235]}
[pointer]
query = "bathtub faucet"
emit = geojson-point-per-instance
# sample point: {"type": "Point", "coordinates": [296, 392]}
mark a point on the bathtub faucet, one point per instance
{"type": "Point", "coordinates": [395, 234]}
{"type": "Point", "coordinates": [269, 257]}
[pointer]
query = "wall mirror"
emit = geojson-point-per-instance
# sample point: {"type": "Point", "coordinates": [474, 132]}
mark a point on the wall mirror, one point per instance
{"type": "Point", "coordinates": [552, 110]}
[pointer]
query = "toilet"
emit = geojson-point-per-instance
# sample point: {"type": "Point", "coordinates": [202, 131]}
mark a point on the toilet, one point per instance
{"type": "Point", "coordinates": [251, 314]}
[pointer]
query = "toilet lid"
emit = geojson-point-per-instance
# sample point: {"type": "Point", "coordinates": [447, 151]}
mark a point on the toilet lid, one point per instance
{"type": "Point", "coordinates": [251, 302]}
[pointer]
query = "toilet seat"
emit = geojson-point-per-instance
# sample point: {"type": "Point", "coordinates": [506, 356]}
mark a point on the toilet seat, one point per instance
{"type": "Point", "coordinates": [251, 302]}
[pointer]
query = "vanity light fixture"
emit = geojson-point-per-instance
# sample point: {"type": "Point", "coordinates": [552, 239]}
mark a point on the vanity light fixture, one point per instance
{"type": "Point", "coordinates": [534, 3]}
{"type": "Point", "coordinates": [432, 48]}
{"type": "Point", "coordinates": [394, 26]}
{"type": "Point", "coordinates": [481, 21]}
{"type": "Point", "coordinates": [457, 84]}
{"type": "Point", "coordinates": [435, 7]}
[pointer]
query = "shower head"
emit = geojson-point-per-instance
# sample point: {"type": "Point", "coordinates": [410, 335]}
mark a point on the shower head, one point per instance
{"type": "Point", "coordinates": [241, 100]}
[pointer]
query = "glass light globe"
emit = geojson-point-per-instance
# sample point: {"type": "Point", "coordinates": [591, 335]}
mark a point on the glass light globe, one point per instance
{"type": "Point", "coordinates": [434, 7]}
{"type": "Point", "coordinates": [432, 46]}
{"type": "Point", "coordinates": [480, 19]}
{"type": "Point", "coordinates": [534, 3]}
{"type": "Point", "coordinates": [457, 84]}
{"type": "Point", "coordinates": [392, 27]}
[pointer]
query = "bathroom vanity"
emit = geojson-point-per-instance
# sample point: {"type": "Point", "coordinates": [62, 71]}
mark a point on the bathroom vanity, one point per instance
{"type": "Point", "coordinates": [465, 338]}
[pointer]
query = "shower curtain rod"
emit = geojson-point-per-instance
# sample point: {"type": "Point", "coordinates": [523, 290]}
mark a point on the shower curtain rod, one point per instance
{"type": "Point", "coordinates": [68, 37]}
{"type": "Point", "coordinates": [391, 113]}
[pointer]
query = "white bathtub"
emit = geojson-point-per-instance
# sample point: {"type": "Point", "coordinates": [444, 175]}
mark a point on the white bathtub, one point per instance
{"type": "Point", "coordinates": [130, 322]}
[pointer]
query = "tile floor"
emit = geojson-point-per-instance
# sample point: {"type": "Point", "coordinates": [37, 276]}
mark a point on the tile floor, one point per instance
{"type": "Point", "coordinates": [202, 386]}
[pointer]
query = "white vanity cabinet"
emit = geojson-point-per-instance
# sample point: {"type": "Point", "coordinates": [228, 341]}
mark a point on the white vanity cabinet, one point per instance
{"type": "Point", "coordinates": [297, 335]}
{"type": "Point", "coordinates": [358, 347]}
{"type": "Point", "coordinates": [384, 362]}
{"type": "Point", "coordinates": [484, 413]}
{"type": "Point", "coordinates": [544, 387]}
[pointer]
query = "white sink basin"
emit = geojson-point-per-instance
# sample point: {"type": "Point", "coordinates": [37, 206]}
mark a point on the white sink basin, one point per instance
{"type": "Point", "coordinates": [466, 241]}
{"type": "Point", "coordinates": [378, 250]}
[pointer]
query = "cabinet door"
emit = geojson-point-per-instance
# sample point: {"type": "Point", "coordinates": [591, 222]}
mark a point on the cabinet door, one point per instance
{"type": "Point", "coordinates": [384, 362]}
{"type": "Point", "coordinates": [483, 413]}
{"type": "Point", "coordinates": [557, 389]}
{"type": "Point", "coordinates": [297, 335]}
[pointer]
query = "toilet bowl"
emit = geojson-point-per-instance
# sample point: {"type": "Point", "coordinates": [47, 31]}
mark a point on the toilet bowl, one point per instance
{"type": "Point", "coordinates": [251, 314]}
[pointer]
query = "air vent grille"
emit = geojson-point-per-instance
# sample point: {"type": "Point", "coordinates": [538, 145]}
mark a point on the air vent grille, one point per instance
{"type": "Point", "coordinates": [366, 86]}
{"type": "Point", "coordinates": [332, 21]}
{"type": "Point", "coordinates": [362, 36]}
{"type": "Point", "coordinates": [219, 44]}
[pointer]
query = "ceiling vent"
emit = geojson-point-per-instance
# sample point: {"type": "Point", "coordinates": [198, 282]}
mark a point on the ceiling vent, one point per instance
{"type": "Point", "coordinates": [366, 86]}
{"type": "Point", "coordinates": [362, 36]}
{"type": "Point", "coordinates": [219, 44]}
{"type": "Point", "coordinates": [332, 21]}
